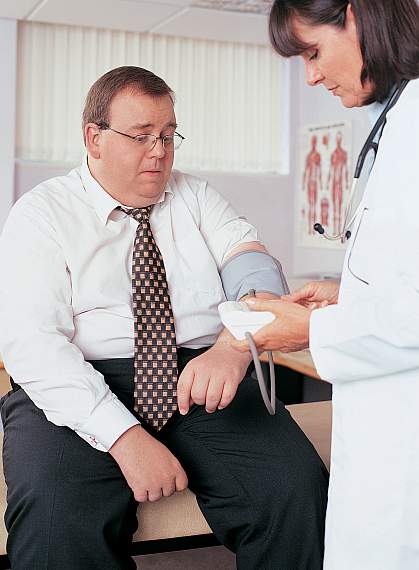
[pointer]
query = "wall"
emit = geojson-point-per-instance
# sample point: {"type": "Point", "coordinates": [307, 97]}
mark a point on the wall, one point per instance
{"type": "Point", "coordinates": [263, 199]}
{"type": "Point", "coordinates": [8, 40]}
{"type": "Point", "coordinates": [268, 201]}
{"type": "Point", "coordinates": [316, 105]}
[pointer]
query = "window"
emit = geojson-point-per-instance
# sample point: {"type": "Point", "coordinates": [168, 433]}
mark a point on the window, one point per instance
{"type": "Point", "coordinates": [230, 102]}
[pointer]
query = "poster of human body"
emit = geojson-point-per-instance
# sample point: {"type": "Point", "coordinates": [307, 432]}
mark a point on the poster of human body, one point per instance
{"type": "Point", "coordinates": [323, 181]}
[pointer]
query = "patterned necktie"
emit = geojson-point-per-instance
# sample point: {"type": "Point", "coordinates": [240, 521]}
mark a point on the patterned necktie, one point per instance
{"type": "Point", "coordinates": [155, 351]}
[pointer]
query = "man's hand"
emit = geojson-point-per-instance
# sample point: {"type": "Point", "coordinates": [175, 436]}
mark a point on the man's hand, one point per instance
{"type": "Point", "coordinates": [150, 469]}
{"type": "Point", "coordinates": [288, 332]}
{"type": "Point", "coordinates": [212, 379]}
{"type": "Point", "coordinates": [316, 294]}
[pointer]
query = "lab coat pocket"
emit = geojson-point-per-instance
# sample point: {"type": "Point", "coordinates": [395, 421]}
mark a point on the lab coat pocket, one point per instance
{"type": "Point", "coordinates": [358, 259]}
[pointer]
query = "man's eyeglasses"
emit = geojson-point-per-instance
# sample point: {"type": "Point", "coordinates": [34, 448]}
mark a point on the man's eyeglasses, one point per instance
{"type": "Point", "coordinates": [148, 142]}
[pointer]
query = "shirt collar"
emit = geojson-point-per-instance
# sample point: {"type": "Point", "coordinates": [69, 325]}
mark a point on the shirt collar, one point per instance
{"type": "Point", "coordinates": [102, 202]}
{"type": "Point", "coordinates": [375, 109]}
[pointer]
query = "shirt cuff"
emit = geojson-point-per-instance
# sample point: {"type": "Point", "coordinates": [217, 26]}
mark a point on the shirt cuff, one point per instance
{"type": "Point", "coordinates": [106, 424]}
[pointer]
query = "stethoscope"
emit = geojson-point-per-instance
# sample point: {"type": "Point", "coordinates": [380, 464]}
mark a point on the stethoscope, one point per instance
{"type": "Point", "coordinates": [370, 144]}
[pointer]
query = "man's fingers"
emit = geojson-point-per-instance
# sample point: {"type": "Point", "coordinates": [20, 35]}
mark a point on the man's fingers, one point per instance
{"type": "Point", "coordinates": [141, 497]}
{"type": "Point", "coordinates": [154, 495]}
{"type": "Point", "coordinates": [169, 488]}
{"type": "Point", "coordinates": [200, 387]}
{"type": "Point", "coordinates": [184, 387]}
{"type": "Point", "coordinates": [214, 393]}
{"type": "Point", "coordinates": [181, 481]}
{"type": "Point", "coordinates": [229, 391]}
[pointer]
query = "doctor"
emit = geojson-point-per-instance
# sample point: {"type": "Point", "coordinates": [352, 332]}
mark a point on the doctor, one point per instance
{"type": "Point", "coordinates": [364, 332]}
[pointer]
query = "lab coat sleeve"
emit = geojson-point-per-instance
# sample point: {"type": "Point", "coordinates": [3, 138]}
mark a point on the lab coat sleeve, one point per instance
{"type": "Point", "coordinates": [37, 329]}
{"type": "Point", "coordinates": [378, 335]}
{"type": "Point", "coordinates": [369, 340]}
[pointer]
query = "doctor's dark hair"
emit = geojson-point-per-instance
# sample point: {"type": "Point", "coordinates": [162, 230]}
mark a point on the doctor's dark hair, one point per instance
{"type": "Point", "coordinates": [388, 33]}
{"type": "Point", "coordinates": [131, 78]}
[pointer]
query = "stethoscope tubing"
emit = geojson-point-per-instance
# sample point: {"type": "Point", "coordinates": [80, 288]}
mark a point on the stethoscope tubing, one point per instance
{"type": "Point", "coordinates": [345, 233]}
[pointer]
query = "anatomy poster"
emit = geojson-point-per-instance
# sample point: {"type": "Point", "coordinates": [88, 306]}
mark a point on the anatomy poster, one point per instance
{"type": "Point", "coordinates": [323, 181]}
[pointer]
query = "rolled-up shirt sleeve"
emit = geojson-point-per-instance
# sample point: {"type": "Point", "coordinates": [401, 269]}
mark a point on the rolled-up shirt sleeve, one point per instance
{"type": "Point", "coordinates": [37, 328]}
{"type": "Point", "coordinates": [222, 228]}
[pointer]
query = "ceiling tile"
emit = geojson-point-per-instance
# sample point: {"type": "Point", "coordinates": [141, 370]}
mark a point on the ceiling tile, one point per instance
{"type": "Point", "coordinates": [217, 25]}
{"type": "Point", "coordinates": [16, 9]}
{"type": "Point", "coordinates": [129, 15]}
{"type": "Point", "coordinates": [253, 6]}
{"type": "Point", "coordinates": [181, 3]}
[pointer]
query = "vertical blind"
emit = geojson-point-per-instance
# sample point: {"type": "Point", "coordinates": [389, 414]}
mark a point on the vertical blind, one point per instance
{"type": "Point", "coordinates": [228, 95]}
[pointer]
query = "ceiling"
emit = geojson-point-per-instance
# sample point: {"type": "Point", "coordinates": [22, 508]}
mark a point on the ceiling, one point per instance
{"type": "Point", "coordinates": [222, 20]}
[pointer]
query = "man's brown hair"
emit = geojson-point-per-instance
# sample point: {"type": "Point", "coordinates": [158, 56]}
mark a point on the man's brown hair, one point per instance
{"type": "Point", "coordinates": [102, 92]}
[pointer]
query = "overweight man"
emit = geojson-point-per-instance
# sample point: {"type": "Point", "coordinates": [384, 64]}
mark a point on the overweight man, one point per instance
{"type": "Point", "coordinates": [125, 387]}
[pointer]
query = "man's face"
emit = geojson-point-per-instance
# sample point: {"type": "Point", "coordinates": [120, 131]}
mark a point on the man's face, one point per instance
{"type": "Point", "coordinates": [131, 174]}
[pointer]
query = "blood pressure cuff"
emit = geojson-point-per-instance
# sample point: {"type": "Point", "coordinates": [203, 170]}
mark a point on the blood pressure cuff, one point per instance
{"type": "Point", "coordinates": [252, 270]}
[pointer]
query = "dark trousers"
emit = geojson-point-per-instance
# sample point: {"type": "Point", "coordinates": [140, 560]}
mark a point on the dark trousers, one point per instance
{"type": "Point", "coordinates": [259, 483]}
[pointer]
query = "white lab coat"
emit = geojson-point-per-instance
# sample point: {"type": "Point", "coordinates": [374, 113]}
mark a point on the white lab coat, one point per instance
{"type": "Point", "coordinates": [368, 347]}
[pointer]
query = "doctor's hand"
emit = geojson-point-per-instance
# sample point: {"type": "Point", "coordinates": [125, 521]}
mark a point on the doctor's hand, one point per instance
{"type": "Point", "coordinates": [150, 469]}
{"type": "Point", "coordinates": [288, 332]}
{"type": "Point", "coordinates": [212, 378]}
{"type": "Point", "coordinates": [316, 294]}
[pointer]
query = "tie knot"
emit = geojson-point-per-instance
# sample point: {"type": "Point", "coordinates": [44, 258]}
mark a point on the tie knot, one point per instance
{"type": "Point", "coordinates": [139, 214]}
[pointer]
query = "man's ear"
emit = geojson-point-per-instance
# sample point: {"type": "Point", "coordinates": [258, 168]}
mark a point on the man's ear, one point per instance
{"type": "Point", "coordinates": [92, 137]}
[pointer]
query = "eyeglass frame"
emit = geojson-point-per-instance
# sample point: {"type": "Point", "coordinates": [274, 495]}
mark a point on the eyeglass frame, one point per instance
{"type": "Point", "coordinates": [106, 127]}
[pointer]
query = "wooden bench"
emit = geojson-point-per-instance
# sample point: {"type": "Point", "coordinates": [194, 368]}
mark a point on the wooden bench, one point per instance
{"type": "Point", "coordinates": [176, 523]}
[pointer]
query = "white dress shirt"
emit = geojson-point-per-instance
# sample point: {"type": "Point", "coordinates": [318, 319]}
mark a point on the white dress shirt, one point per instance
{"type": "Point", "coordinates": [65, 292]}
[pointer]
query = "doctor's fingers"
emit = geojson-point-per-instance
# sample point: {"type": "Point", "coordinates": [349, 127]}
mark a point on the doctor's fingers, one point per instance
{"type": "Point", "coordinates": [273, 305]}
{"type": "Point", "coordinates": [269, 337]}
{"type": "Point", "coordinates": [262, 342]}
{"type": "Point", "coordinates": [302, 296]}
{"type": "Point", "coordinates": [240, 345]}
{"type": "Point", "coordinates": [308, 303]}
{"type": "Point", "coordinates": [272, 336]}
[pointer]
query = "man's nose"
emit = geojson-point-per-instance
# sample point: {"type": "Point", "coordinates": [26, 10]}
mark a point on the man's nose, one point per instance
{"type": "Point", "coordinates": [158, 149]}
{"type": "Point", "coordinates": [313, 75]}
